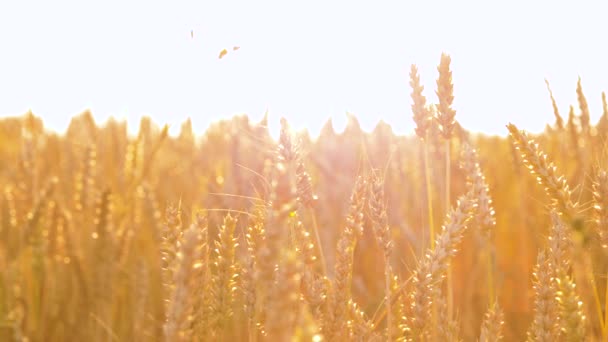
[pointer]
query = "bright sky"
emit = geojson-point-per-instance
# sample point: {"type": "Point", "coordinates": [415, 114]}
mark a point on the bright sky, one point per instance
{"type": "Point", "coordinates": [307, 62]}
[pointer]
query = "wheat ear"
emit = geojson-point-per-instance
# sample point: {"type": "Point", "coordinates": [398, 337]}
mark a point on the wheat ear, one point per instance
{"type": "Point", "coordinates": [423, 117]}
{"type": "Point", "coordinates": [584, 107]}
{"type": "Point", "coordinates": [445, 93]}
{"type": "Point", "coordinates": [181, 300]}
{"type": "Point", "coordinates": [559, 121]}
{"type": "Point", "coordinates": [341, 289]}
{"type": "Point", "coordinates": [537, 161]}
{"type": "Point", "coordinates": [600, 196]}
{"type": "Point", "coordinates": [544, 326]}
{"type": "Point", "coordinates": [491, 328]}
{"type": "Point", "coordinates": [382, 232]}
{"type": "Point", "coordinates": [434, 265]}
{"type": "Point", "coordinates": [223, 281]}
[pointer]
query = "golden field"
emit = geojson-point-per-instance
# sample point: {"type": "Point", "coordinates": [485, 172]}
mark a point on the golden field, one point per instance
{"type": "Point", "coordinates": [232, 236]}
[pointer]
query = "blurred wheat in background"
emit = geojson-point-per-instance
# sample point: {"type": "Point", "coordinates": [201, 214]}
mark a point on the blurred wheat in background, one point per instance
{"type": "Point", "coordinates": [445, 235]}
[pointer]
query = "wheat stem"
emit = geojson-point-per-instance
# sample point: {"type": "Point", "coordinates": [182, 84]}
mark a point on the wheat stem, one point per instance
{"type": "Point", "coordinates": [449, 279]}
{"type": "Point", "coordinates": [429, 196]}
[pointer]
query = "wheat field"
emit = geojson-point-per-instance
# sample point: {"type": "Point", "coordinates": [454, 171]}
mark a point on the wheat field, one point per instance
{"type": "Point", "coordinates": [229, 235]}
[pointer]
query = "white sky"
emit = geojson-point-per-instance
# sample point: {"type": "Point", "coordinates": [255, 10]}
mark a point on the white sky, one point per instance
{"type": "Point", "coordinates": [308, 62]}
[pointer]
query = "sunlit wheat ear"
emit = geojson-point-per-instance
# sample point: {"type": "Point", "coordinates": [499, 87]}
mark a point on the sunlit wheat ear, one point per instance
{"type": "Point", "coordinates": [600, 197]}
{"type": "Point", "coordinates": [448, 328]}
{"type": "Point", "coordinates": [27, 161]}
{"type": "Point", "coordinates": [398, 307]}
{"type": "Point", "coordinates": [432, 268]}
{"type": "Point", "coordinates": [32, 223]}
{"type": "Point", "coordinates": [223, 279]}
{"type": "Point", "coordinates": [287, 148]}
{"type": "Point", "coordinates": [312, 283]}
{"type": "Point", "coordinates": [201, 279]}
{"type": "Point", "coordinates": [180, 304]}
{"type": "Point", "coordinates": [491, 328]}
{"type": "Point", "coordinates": [378, 215]}
{"type": "Point", "coordinates": [584, 107]}
{"type": "Point", "coordinates": [546, 173]}
{"type": "Point", "coordinates": [283, 203]}
{"type": "Point", "coordinates": [572, 319]}
{"type": "Point", "coordinates": [574, 131]}
{"type": "Point", "coordinates": [85, 181]}
{"type": "Point", "coordinates": [304, 244]}
{"type": "Point", "coordinates": [544, 326]}
{"type": "Point", "coordinates": [341, 289]}
{"type": "Point", "coordinates": [422, 116]}
{"type": "Point", "coordinates": [103, 257]}
{"type": "Point", "coordinates": [9, 219]}
{"type": "Point", "coordinates": [360, 328]}
{"type": "Point", "coordinates": [254, 237]}
{"type": "Point", "coordinates": [382, 231]}
{"type": "Point", "coordinates": [252, 282]}
{"type": "Point", "coordinates": [284, 306]}
{"type": "Point", "coordinates": [560, 245]}
{"type": "Point", "coordinates": [171, 233]}
{"type": "Point", "coordinates": [54, 232]}
{"type": "Point", "coordinates": [133, 161]}
{"type": "Point", "coordinates": [485, 215]}
{"type": "Point", "coordinates": [283, 192]}
{"type": "Point", "coordinates": [445, 93]}
{"type": "Point", "coordinates": [307, 199]}
{"type": "Point", "coordinates": [248, 289]}
{"type": "Point", "coordinates": [602, 125]}
{"type": "Point", "coordinates": [10, 223]}
{"type": "Point", "coordinates": [559, 121]}
{"type": "Point", "coordinates": [306, 196]}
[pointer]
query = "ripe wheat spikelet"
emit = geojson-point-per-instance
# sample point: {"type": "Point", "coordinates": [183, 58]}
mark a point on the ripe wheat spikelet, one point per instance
{"type": "Point", "coordinates": [382, 231]}
{"type": "Point", "coordinates": [422, 116]}
{"type": "Point", "coordinates": [537, 162]}
{"type": "Point", "coordinates": [572, 319]}
{"type": "Point", "coordinates": [600, 196]}
{"type": "Point", "coordinates": [544, 326]}
{"type": "Point", "coordinates": [447, 328]}
{"type": "Point", "coordinates": [485, 214]}
{"type": "Point", "coordinates": [491, 329]}
{"type": "Point", "coordinates": [585, 117]}
{"type": "Point", "coordinates": [445, 93]}
{"type": "Point", "coordinates": [201, 280]}
{"type": "Point", "coordinates": [181, 298]}
{"type": "Point", "coordinates": [433, 266]}
{"type": "Point", "coordinates": [223, 286]}
{"type": "Point", "coordinates": [341, 287]}
{"type": "Point", "coordinates": [559, 121]}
